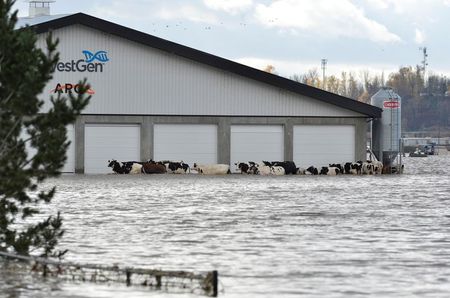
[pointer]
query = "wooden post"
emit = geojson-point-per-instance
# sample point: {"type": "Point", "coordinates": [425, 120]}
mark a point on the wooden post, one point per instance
{"type": "Point", "coordinates": [128, 278]}
{"type": "Point", "coordinates": [158, 281]}
{"type": "Point", "coordinates": [215, 281]}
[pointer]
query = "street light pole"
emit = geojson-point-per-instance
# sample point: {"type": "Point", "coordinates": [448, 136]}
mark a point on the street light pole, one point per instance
{"type": "Point", "coordinates": [324, 66]}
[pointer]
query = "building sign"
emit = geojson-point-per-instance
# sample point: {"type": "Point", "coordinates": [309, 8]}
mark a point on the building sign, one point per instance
{"type": "Point", "coordinates": [69, 88]}
{"type": "Point", "coordinates": [93, 62]}
{"type": "Point", "coordinates": [391, 104]}
{"type": "Point", "coordinates": [101, 56]}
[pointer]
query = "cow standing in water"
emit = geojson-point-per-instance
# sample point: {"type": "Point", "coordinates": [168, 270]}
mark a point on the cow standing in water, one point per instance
{"type": "Point", "coordinates": [212, 169]}
{"type": "Point", "coordinates": [330, 171]}
{"type": "Point", "coordinates": [125, 167]}
{"type": "Point", "coordinates": [118, 167]}
{"type": "Point", "coordinates": [312, 171]}
{"type": "Point", "coordinates": [288, 166]}
{"type": "Point", "coordinates": [152, 167]}
{"type": "Point", "coordinates": [175, 167]}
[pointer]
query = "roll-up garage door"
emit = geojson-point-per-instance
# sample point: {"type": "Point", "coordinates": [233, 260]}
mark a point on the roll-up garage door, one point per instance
{"type": "Point", "coordinates": [69, 166]}
{"type": "Point", "coordinates": [191, 143]}
{"type": "Point", "coordinates": [320, 145]}
{"type": "Point", "coordinates": [109, 141]}
{"type": "Point", "coordinates": [256, 143]}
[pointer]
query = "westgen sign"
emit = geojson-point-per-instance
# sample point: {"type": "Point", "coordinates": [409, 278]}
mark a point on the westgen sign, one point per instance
{"type": "Point", "coordinates": [85, 65]}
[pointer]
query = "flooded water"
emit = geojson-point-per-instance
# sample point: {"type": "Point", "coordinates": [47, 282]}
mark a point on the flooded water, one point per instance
{"type": "Point", "coordinates": [290, 236]}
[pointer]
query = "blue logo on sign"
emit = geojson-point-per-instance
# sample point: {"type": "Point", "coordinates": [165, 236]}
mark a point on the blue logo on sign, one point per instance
{"type": "Point", "coordinates": [100, 56]}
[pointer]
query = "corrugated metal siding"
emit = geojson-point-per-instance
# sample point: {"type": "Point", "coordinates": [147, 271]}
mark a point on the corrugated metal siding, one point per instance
{"type": "Point", "coordinates": [142, 80]}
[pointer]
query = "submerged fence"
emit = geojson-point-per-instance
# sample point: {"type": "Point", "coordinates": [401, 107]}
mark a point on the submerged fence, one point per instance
{"type": "Point", "coordinates": [183, 281]}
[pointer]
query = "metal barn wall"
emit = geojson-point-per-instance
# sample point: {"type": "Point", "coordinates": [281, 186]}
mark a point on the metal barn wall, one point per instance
{"type": "Point", "coordinates": [140, 80]}
{"type": "Point", "coordinates": [224, 124]}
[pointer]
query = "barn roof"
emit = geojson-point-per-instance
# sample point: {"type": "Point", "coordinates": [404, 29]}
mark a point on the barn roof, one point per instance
{"type": "Point", "coordinates": [205, 58]}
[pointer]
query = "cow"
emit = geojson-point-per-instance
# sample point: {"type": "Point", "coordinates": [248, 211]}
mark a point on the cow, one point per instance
{"type": "Point", "coordinates": [289, 166]}
{"type": "Point", "coordinates": [277, 171]}
{"type": "Point", "coordinates": [124, 167]}
{"type": "Point", "coordinates": [136, 168]}
{"type": "Point", "coordinates": [212, 169]}
{"type": "Point", "coordinates": [301, 171]}
{"type": "Point", "coordinates": [263, 170]}
{"type": "Point", "coordinates": [339, 166]}
{"type": "Point", "coordinates": [247, 167]}
{"type": "Point", "coordinates": [243, 167]}
{"type": "Point", "coordinates": [152, 167]}
{"type": "Point", "coordinates": [117, 167]}
{"type": "Point", "coordinates": [378, 167]}
{"type": "Point", "coordinates": [253, 167]}
{"type": "Point", "coordinates": [312, 171]}
{"type": "Point", "coordinates": [330, 171]}
{"type": "Point", "coordinates": [367, 168]}
{"type": "Point", "coordinates": [176, 167]}
{"type": "Point", "coordinates": [354, 168]}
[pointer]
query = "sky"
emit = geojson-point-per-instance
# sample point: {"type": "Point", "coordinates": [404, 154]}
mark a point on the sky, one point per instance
{"type": "Point", "coordinates": [377, 36]}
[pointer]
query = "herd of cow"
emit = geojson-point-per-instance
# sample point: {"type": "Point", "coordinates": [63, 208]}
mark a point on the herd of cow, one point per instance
{"type": "Point", "coordinates": [275, 168]}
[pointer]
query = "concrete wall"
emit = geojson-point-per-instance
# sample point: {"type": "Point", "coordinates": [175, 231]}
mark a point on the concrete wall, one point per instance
{"type": "Point", "coordinates": [223, 124]}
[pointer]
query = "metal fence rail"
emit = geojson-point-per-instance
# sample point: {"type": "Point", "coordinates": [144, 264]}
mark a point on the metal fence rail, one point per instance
{"type": "Point", "coordinates": [184, 281]}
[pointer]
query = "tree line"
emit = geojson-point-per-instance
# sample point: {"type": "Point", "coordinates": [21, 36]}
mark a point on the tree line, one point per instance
{"type": "Point", "coordinates": [425, 101]}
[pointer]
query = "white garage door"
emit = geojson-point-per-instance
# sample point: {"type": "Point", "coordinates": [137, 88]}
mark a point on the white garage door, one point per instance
{"type": "Point", "coordinates": [320, 145]}
{"type": "Point", "coordinates": [191, 143]}
{"type": "Point", "coordinates": [107, 141]}
{"type": "Point", "coordinates": [256, 143]}
{"type": "Point", "coordinates": [69, 166]}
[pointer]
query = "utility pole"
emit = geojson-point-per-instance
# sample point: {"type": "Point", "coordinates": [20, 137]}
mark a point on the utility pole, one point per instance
{"type": "Point", "coordinates": [324, 67]}
{"type": "Point", "coordinates": [424, 64]}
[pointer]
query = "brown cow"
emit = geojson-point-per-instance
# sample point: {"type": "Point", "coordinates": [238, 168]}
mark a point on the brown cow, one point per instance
{"type": "Point", "coordinates": [152, 167]}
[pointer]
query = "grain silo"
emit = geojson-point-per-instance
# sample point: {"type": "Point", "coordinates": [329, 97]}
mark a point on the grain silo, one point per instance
{"type": "Point", "coordinates": [386, 131]}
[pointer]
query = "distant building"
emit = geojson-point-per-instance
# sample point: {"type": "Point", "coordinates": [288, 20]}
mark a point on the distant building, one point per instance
{"type": "Point", "coordinates": [425, 141]}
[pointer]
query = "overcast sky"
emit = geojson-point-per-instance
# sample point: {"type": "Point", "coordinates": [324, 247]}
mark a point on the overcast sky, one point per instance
{"type": "Point", "coordinates": [291, 35]}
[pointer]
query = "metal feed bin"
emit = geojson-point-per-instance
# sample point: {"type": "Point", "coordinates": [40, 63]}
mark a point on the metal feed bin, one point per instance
{"type": "Point", "coordinates": [386, 132]}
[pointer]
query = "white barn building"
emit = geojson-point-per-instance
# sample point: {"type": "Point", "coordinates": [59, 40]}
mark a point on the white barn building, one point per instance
{"type": "Point", "coordinates": [152, 98]}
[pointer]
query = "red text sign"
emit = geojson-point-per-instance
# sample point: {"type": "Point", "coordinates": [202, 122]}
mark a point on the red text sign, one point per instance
{"type": "Point", "coordinates": [391, 104]}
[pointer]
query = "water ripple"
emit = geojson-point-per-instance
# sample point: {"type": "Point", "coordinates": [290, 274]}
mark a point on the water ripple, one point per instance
{"type": "Point", "coordinates": [348, 236]}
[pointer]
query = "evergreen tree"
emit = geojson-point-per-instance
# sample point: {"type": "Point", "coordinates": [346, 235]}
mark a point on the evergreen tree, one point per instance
{"type": "Point", "coordinates": [24, 72]}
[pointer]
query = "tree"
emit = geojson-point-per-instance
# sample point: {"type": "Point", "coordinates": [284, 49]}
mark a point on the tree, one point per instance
{"type": "Point", "coordinates": [270, 69]}
{"type": "Point", "coordinates": [24, 72]}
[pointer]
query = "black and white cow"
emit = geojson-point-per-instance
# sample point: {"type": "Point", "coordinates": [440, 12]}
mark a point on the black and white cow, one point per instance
{"type": "Point", "coordinates": [136, 168]}
{"type": "Point", "coordinates": [277, 171]}
{"type": "Point", "coordinates": [368, 168]}
{"type": "Point", "coordinates": [289, 166]}
{"type": "Point", "coordinates": [116, 166]}
{"type": "Point", "coordinates": [330, 171]}
{"type": "Point", "coordinates": [263, 170]}
{"type": "Point", "coordinates": [246, 167]}
{"type": "Point", "coordinates": [124, 167]}
{"type": "Point", "coordinates": [175, 167]}
{"type": "Point", "coordinates": [339, 166]}
{"type": "Point", "coordinates": [353, 168]}
{"type": "Point", "coordinates": [301, 171]}
{"type": "Point", "coordinates": [312, 171]}
{"type": "Point", "coordinates": [378, 167]}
